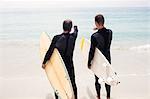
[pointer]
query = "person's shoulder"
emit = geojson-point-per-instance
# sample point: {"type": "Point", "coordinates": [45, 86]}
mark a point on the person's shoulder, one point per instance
{"type": "Point", "coordinates": [94, 34]}
{"type": "Point", "coordinates": [72, 34]}
{"type": "Point", "coordinates": [56, 36]}
{"type": "Point", "coordinates": [109, 31]}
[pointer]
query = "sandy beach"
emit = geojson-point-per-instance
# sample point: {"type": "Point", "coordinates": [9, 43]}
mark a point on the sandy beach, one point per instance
{"type": "Point", "coordinates": [22, 22]}
{"type": "Point", "coordinates": [21, 75]}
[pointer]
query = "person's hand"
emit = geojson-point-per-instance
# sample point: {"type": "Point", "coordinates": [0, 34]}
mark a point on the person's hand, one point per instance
{"type": "Point", "coordinates": [75, 28]}
{"type": "Point", "coordinates": [43, 66]}
{"type": "Point", "coordinates": [95, 28]}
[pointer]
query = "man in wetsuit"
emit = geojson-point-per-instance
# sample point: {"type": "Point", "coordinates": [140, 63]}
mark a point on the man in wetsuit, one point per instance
{"type": "Point", "coordinates": [101, 40]}
{"type": "Point", "coordinates": [65, 43]}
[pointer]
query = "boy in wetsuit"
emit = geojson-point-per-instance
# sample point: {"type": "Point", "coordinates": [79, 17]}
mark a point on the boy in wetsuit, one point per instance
{"type": "Point", "coordinates": [101, 40]}
{"type": "Point", "coordinates": [65, 43]}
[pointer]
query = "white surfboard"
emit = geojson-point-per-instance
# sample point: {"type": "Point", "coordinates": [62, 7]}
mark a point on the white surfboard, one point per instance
{"type": "Point", "coordinates": [55, 70]}
{"type": "Point", "coordinates": [100, 65]}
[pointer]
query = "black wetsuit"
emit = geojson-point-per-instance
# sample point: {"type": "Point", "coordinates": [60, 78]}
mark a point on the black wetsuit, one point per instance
{"type": "Point", "coordinates": [102, 40]}
{"type": "Point", "coordinates": [65, 43]}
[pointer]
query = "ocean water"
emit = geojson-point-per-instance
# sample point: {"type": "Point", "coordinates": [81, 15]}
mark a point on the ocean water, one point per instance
{"type": "Point", "coordinates": [130, 25]}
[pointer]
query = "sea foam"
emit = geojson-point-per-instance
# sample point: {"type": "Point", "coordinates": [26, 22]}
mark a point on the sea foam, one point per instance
{"type": "Point", "coordinates": [141, 48]}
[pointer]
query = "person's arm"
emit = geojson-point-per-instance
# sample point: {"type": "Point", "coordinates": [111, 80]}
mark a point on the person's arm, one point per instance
{"type": "Point", "coordinates": [109, 44]}
{"type": "Point", "coordinates": [75, 33]}
{"type": "Point", "coordinates": [92, 51]}
{"type": "Point", "coordinates": [109, 37]}
{"type": "Point", "coordinates": [49, 52]}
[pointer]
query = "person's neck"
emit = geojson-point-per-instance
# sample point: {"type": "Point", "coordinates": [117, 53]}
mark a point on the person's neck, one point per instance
{"type": "Point", "coordinates": [100, 27]}
{"type": "Point", "coordinates": [66, 32]}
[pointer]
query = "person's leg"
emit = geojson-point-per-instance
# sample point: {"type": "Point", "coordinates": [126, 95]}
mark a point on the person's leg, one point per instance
{"type": "Point", "coordinates": [56, 97]}
{"type": "Point", "coordinates": [74, 89]}
{"type": "Point", "coordinates": [108, 89]}
{"type": "Point", "coordinates": [72, 78]}
{"type": "Point", "coordinates": [97, 86]}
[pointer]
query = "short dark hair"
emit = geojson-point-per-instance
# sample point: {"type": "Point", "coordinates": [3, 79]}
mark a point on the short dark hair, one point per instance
{"type": "Point", "coordinates": [67, 25]}
{"type": "Point", "coordinates": [99, 19]}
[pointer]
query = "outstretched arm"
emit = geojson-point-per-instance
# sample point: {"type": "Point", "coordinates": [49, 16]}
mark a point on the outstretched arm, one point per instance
{"type": "Point", "coordinates": [75, 33]}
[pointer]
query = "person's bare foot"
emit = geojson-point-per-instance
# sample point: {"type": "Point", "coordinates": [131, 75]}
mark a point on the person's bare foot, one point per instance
{"type": "Point", "coordinates": [108, 97]}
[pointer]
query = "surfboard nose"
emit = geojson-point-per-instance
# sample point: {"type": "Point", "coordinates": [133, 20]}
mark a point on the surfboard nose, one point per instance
{"type": "Point", "coordinates": [82, 43]}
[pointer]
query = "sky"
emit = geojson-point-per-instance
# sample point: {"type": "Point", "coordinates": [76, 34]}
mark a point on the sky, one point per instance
{"type": "Point", "coordinates": [72, 3]}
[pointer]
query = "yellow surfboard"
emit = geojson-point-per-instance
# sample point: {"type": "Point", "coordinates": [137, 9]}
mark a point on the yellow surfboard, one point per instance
{"type": "Point", "coordinates": [100, 65]}
{"type": "Point", "coordinates": [55, 70]}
